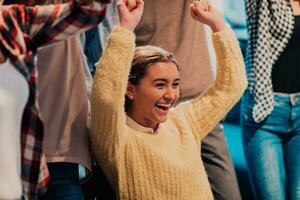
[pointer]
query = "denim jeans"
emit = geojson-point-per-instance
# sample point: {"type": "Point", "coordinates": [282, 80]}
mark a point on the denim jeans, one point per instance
{"type": "Point", "coordinates": [64, 183]}
{"type": "Point", "coordinates": [272, 148]}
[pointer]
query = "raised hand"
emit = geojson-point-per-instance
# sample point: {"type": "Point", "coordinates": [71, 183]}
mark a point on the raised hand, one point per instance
{"type": "Point", "coordinates": [129, 17]}
{"type": "Point", "coordinates": [204, 12]}
{"type": "Point", "coordinates": [131, 4]}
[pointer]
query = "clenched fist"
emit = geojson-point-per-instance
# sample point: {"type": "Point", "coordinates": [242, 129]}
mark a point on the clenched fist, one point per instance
{"type": "Point", "coordinates": [131, 4]}
{"type": "Point", "coordinates": [130, 17]}
{"type": "Point", "coordinates": [204, 12]}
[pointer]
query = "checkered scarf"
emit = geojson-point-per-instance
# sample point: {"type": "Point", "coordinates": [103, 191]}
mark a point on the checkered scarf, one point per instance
{"type": "Point", "coordinates": [270, 26]}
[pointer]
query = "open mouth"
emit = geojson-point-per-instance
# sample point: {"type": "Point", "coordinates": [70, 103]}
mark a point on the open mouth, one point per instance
{"type": "Point", "coordinates": [163, 106]}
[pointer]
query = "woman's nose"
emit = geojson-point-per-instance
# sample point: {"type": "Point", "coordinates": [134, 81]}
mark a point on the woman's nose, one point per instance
{"type": "Point", "coordinates": [170, 94]}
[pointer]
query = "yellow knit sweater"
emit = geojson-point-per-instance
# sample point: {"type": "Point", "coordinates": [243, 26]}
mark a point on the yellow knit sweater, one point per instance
{"type": "Point", "coordinates": [164, 164]}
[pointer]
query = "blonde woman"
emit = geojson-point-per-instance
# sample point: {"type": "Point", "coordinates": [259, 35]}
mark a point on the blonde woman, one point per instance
{"type": "Point", "coordinates": [147, 149]}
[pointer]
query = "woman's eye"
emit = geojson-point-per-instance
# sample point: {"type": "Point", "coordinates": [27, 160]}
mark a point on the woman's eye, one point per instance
{"type": "Point", "coordinates": [175, 85]}
{"type": "Point", "coordinates": [160, 85]}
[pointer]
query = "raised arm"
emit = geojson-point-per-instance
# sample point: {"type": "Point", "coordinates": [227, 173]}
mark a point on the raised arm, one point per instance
{"type": "Point", "coordinates": [44, 24]}
{"type": "Point", "coordinates": [109, 129]}
{"type": "Point", "coordinates": [209, 108]}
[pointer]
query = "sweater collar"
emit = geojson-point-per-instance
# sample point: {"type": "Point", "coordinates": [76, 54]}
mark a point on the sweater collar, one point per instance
{"type": "Point", "coordinates": [134, 125]}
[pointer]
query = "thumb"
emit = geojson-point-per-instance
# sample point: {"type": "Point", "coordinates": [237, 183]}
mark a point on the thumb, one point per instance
{"type": "Point", "coordinates": [122, 8]}
{"type": "Point", "coordinates": [193, 10]}
{"type": "Point", "coordinates": [139, 6]}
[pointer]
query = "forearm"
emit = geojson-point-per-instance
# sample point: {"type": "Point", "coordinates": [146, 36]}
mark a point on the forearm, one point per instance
{"type": "Point", "coordinates": [108, 95]}
{"type": "Point", "coordinates": [208, 109]}
{"type": "Point", "coordinates": [113, 68]}
{"type": "Point", "coordinates": [59, 21]}
{"type": "Point", "coordinates": [231, 72]}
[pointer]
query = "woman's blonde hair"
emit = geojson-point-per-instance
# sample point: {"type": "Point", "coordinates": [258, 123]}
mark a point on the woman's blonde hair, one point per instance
{"type": "Point", "coordinates": [144, 57]}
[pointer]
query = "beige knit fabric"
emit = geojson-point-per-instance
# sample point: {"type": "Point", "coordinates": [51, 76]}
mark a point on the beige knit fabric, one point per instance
{"type": "Point", "coordinates": [164, 164]}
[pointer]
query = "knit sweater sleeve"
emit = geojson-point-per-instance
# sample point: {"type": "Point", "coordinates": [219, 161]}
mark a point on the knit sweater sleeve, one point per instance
{"type": "Point", "coordinates": [108, 126]}
{"type": "Point", "coordinates": [209, 108]}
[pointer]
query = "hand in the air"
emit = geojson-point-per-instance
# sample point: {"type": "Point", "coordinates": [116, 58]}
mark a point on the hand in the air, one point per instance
{"type": "Point", "coordinates": [130, 17]}
{"type": "Point", "coordinates": [131, 4]}
{"type": "Point", "coordinates": [204, 12]}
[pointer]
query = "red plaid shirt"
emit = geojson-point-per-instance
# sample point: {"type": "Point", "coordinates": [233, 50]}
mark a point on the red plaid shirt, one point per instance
{"type": "Point", "coordinates": [22, 30]}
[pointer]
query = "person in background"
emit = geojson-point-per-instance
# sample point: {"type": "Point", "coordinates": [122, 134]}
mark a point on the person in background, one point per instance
{"type": "Point", "coordinates": [271, 126]}
{"type": "Point", "coordinates": [22, 30]}
{"type": "Point", "coordinates": [64, 109]}
{"type": "Point", "coordinates": [14, 93]}
{"type": "Point", "coordinates": [144, 153]}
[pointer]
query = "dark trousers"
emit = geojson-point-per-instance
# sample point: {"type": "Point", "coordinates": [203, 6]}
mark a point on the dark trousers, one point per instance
{"type": "Point", "coordinates": [218, 166]}
{"type": "Point", "coordinates": [97, 187]}
{"type": "Point", "coordinates": [64, 183]}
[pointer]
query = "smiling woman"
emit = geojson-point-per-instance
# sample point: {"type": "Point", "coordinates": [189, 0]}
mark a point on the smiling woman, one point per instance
{"type": "Point", "coordinates": [146, 149]}
{"type": "Point", "coordinates": [153, 86]}
{"type": "Point", "coordinates": [154, 95]}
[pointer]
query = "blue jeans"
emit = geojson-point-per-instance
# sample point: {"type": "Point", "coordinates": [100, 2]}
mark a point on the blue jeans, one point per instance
{"type": "Point", "coordinates": [272, 148]}
{"type": "Point", "coordinates": [64, 183]}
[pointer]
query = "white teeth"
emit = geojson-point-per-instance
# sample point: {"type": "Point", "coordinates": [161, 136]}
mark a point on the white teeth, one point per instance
{"type": "Point", "coordinates": [164, 105]}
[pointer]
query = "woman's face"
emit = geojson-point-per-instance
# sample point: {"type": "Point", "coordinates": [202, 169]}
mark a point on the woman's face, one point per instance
{"type": "Point", "coordinates": [155, 94]}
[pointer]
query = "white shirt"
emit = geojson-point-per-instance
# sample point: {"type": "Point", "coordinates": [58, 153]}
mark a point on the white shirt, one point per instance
{"type": "Point", "coordinates": [14, 93]}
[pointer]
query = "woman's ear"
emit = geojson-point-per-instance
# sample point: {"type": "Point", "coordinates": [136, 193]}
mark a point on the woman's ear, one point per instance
{"type": "Point", "coordinates": [130, 91]}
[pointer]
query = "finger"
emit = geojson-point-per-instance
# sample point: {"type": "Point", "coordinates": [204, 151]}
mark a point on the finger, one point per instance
{"type": "Point", "coordinates": [209, 7]}
{"type": "Point", "coordinates": [206, 5]}
{"type": "Point", "coordinates": [131, 4]}
{"type": "Point", "coordinates": [192, 9]}
{"type": "Point", "coordinates": [122, 7]}
{"type": "Point", "coordinates": [199, 5]}
{"type": "Point", "coordinates": [139, 3]}
{"type": "Point", "coordinates": [121, 2]}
